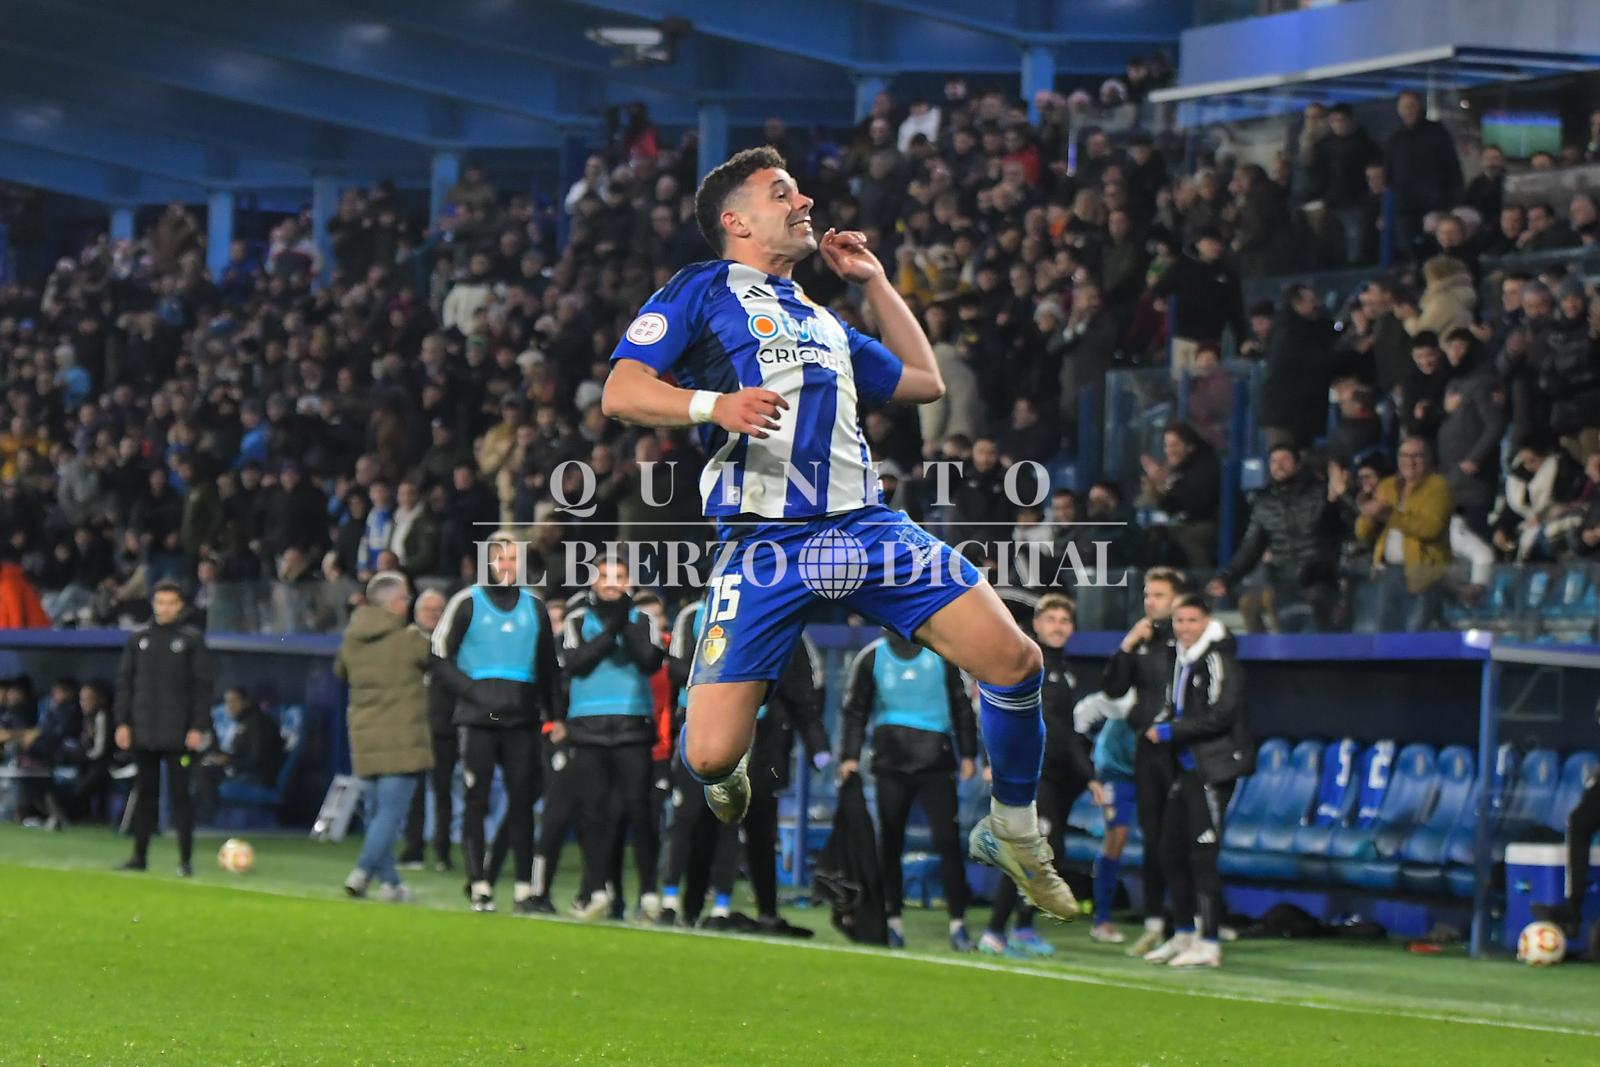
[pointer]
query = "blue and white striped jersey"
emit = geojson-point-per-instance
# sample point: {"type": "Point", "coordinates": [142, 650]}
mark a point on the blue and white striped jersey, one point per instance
{"type": "Point", "coordinates": [724, 326]}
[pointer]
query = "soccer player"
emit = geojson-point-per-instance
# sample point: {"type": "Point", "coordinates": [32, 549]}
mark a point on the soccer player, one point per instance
{"type": "Point", "coordinates": [1204, 735]}
{"type": "Point", "coordinates": [1066, 773]}
{"type": "Point", "coordinates": [777, 386]}
{"type": "Point", "coordinates": [610, 650]}
{"type": "Point", "coordinates": [921, 720]}
{"type": "Point", "coordinates": [1143, 665]}
{"type": "Point", "coordinates": [495, 654]}
{"type": "Point", "coordinates": [1114, 792]}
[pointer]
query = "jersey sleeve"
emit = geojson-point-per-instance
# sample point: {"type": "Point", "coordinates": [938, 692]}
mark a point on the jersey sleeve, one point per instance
{"type": "Point", "coordinates": [877, 370]}
{"type": "Point", "coordinates": [668, 322]}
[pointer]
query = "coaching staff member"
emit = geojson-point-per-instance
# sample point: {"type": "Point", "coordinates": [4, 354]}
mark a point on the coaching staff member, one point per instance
{"type": "Point", "coordinates": [163, 713]}
{"type": "Point", "coordinates": [494, 653]}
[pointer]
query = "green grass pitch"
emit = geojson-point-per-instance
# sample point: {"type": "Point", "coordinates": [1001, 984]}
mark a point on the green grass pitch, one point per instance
{"type": "Point", "coordinates": [276, 967]}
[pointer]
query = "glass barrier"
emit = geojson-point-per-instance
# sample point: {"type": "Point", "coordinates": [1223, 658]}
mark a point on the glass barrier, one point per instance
{"type": "Point", "coordinates": [1140, 404]}
{"type": "Point", "coordinates": [1544, 603]}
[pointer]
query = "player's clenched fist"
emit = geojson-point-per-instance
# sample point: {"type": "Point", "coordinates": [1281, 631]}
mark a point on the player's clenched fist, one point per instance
{"type": "Point", "coordinates": [750, 411]}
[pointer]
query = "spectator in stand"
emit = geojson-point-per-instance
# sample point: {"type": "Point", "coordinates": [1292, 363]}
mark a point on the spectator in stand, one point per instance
{"type": "Point", "coordinates": [1422, 392]}
{"type": "Point", "coordinates": [1087, 347]}
{"type": "Point", "coordinates": [1300, 365]}
{"type": "Point", "coordinates": [414, 537]}
{"type": "Point", "coordinates": [1473, 423]}
{"type": "Point", "coordinates": [1486, 193]}
{"type": "Point", "coordinates": [1407, 523]}
{"type": "Point", "coordinates": [1383, 345]}
{"type": "Point", "coordinates": [1546, 231]}
{"type": "Point", "coordinates": [1295, 531]}
{"type": "Point", "coordinates": [1541, 506]}
{"type": "Point", "coordinates": [1187, 485]}
{"type": "Point", "coordinates": [1423, 168]}
{"type": "Point", "coordinates": [1208, 296]}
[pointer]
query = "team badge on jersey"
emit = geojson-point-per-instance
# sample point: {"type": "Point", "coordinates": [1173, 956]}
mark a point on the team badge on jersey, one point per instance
{"type": "Point", "coordinates": [716, 644]}
{"type": "Point", "coordinates": [648, 328]}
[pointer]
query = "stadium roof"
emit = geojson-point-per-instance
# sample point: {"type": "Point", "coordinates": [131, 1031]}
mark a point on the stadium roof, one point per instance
{"type": "Point", "coordinates": [1443, 68]}
{"type": "Point", "coordinates": [175, 99]}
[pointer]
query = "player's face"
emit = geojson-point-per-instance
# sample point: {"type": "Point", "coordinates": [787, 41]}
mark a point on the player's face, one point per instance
{"type": "Point", "coordinates": [1158, 598]}
{"type": "Point", "coordinates": [165, 606]}
{"type": "Point", "coordinates": [777, 214]}
{"type": "Point", "coordinates": [1188, 624]}
{"type": "Point", "coordinates": [610, 581]}
{"type": "Point", "coordinates": [1054, 627]}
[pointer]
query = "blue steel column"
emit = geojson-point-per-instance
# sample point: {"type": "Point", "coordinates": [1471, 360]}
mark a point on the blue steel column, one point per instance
{"type": "Point", "coordinates": [324, 202]}
{"type": "Point", "coordinates": [446, 170]}
{"type": "Point", "coordinates": [867, 89]}
{"type": "Point", "coordinates": [1488, 741]}
{"type": "Point", "coordinates": [713, 135]}
{"type": "Point", "coordinates": [121, 223]}
{"type": "Point", "coordinates": [219, 229]}
{"type": "Point", "coordinates": [1038, 73]}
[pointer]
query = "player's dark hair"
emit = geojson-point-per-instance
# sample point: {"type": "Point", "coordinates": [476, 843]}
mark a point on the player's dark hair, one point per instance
{"type": "Point", "coordinates": [1192, 600]}
{"type": "Point", "coordinates": [167, 585]}
{"type": "Point", "coordinates": [722, 183]}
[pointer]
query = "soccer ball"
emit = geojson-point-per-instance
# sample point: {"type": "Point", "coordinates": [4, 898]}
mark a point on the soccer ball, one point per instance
{"type": "Point", "coordinates": [236, 856]}
{"type": "Point", "coordinates": [1542, 944]}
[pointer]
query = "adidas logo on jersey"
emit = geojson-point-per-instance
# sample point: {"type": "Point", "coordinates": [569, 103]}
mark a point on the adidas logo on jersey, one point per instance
{"type": "Point", "coordinates": [1207, 838]}
{"type": "Point", "coordinates": [756, 292]}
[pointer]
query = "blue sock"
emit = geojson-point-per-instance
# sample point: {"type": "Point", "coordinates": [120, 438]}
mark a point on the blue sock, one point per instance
{"type": "Point", "coordinates": [722, 902]}
{"type": "Point", "coordinates": [1105, 887]}
{"type": "Point", "coordinates": [683, 746]}
{"type": "Point", "coordinates": [1013, 730]}
{"type": "Point", "coordinates": [669, 897]}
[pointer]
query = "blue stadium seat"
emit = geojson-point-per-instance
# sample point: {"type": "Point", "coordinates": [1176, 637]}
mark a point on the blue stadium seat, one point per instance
{"type": "Point", "coordinates": [291, 726]}
{"type": "Point", "coordinates": [1527, 800]}
{"type": "Point", "coordinates": [1349, 786]}
{"type": "Point", "coordinates": [1263, 851]}
{"type": "Point", "coordinates": [1254, 795]}
{"type": "Point", "coordinates": [1365, 853]}
{"type": "Point", "coordinates": [1422, 855]}
{"type": "Point", "coordinates": [1495, 609]}
{"type": "Point", "coordinates": [1575, 775]}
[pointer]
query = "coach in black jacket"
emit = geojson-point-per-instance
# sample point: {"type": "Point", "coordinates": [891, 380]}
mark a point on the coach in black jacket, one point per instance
{"type": "Point", "coordinates": [1205, 729]}
{"type": "Point", "coordinates": [1143, 664]}
{"type": "Point", "coordinates": [162, 713]}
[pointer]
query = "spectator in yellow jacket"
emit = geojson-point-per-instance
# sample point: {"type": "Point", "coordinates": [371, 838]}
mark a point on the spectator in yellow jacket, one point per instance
{"type": "Point", "coordinates": [1407, 518]}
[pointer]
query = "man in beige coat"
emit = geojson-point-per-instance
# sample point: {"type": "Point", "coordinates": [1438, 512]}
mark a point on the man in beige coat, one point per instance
{"type": "Point", "coordinates": [384, 660]}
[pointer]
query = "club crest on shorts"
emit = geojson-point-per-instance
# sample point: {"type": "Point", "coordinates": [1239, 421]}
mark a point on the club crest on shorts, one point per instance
{"type": "Point", "coordinates": [716, 643]}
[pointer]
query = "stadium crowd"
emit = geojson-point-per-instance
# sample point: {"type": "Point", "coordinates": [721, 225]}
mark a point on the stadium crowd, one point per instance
{"type": "Point", "coordinates": [260, 429]}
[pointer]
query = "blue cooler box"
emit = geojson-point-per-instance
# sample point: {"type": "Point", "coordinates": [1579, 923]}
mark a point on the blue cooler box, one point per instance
{"type": "Point", "coordinates": [1537, 874]}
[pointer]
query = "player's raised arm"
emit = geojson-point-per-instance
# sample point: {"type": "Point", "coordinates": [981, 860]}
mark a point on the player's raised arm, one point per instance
{"type": "Point", "coordinates": [848, 256]}
{"type": "Point", "coordinates": [635, 393]}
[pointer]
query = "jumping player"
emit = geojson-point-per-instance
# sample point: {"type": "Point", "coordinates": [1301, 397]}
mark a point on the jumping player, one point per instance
{"type": "Point", "coordinates": [777, 386]}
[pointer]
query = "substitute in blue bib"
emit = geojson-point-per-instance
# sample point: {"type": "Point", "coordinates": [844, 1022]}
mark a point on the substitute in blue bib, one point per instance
{"type": "Point", "coordinates": [494, 653]}
{"type": "Point", "coordinates": [610, 649]}
{"type": "Point", "coordinates": [923, 731]}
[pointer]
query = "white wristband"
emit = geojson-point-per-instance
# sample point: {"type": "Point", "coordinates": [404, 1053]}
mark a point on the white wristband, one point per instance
{"type": "Point", "coordinates": [700, 405]}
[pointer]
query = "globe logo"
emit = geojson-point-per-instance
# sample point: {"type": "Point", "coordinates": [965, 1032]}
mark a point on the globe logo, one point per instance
{"type": "Point", "coordinates": [833, 564]}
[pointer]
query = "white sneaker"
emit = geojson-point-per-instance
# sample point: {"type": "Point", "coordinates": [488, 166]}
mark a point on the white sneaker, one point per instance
{"type": "Point", "coordinates": [1106, 934]}
{"type": "Point", "coordinates": [650, 906]}
{"type": "Point", "coordinates": [1147, 940]}
{"type": "Point", "coordinates": [597, 907]}
{"type": "Point", "coordinates": [1030, 864]}
{"type": "Point", "coordinates": [395, 894]}
{"type": "Point", "coordinates": [356, 884]}
{"type": "Point", "coordinates": [730, 799]}
{"type": "Point", "coordinates": [1176, 946]}
{"type": "Point", "coordinates": [1201, 953]}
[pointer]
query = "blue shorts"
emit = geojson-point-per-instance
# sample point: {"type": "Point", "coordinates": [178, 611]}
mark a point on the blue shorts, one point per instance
{"type": "Point", "coordinates": [1121, 811]}
{"type": "Point", "coordinates": [874, 561]}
